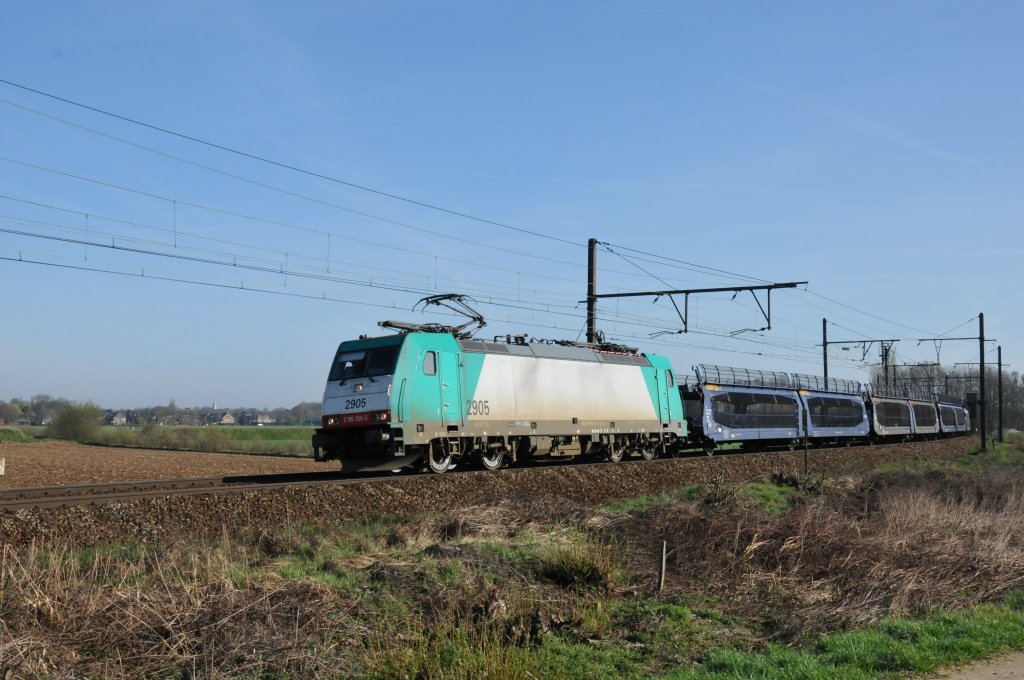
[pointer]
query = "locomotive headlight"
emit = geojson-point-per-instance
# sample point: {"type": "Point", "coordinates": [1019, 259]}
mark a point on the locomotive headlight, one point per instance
{"type": "Point", "coordinates": [332, 421]}
{"type": "Point", "coordinates": [382, 416]}
{"type": "Point", "coordinates": [359, 387]}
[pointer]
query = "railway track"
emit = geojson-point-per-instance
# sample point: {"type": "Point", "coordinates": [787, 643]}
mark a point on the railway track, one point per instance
{"type": "Point", "coordinates": [110, 492]}
{"type": "Point", "coordinates": [45, 497]}
{"type": "Point", "coordinates": [59, 496]}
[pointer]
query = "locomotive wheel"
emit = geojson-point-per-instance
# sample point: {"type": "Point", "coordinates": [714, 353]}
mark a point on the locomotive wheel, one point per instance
{"type": "Point", "coordinates": [615, 454]}
{"type": "Point", "coordinates": [648, 452]}
{"type": "Point", "coordinates": [492, 460]}
{"type": "Point", "coordinates": [438, 460]}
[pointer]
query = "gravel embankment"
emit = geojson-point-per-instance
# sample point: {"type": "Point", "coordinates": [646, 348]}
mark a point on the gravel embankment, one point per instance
{"type": "Point", "coordinates": [171, 518]}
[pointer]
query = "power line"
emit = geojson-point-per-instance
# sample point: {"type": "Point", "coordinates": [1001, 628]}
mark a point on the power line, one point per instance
{"type": "Point", "coordinates": [327, 261]}
{"type": "Point", "coordinates": [647, 321]}
{"type": "Point", "coordinates": [286, 166]}
{"type": "Point", "coordinates": [971, 320]}
{"type": "Point", "coordinates": [497, 302]}
{"type": "Point", "coordinates": [860, 311]}
{"type": "Point", "coordinates": [312, 230]}
{"type": "Point", "coordinates": [241, 178]}
{"type": "Point", "coordinates": [324, 297]}
{"type": "Point", "coordinates": [285, 268]}
{"type": "Point", "coordinates": [688, 265]}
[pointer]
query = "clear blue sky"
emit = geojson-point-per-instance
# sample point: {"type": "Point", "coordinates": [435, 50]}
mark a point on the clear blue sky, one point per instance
{"type": "Point", "coordinates": [873, 149]}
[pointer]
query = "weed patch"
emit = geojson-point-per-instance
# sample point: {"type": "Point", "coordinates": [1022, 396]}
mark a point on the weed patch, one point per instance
{"type": "Point", "coordinates": [8, 434]}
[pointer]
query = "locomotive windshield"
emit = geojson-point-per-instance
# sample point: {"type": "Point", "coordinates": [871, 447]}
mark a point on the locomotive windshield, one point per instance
{"type": "Point", "coordinates": [364, 363]}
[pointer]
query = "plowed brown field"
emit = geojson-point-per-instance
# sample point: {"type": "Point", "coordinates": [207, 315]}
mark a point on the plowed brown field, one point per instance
{"type": "Point", "coordinates": [57, 462]}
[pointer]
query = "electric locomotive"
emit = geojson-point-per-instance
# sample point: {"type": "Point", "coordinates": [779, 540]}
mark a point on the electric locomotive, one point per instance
{"type": "Point", "coordinates": [433, 398]}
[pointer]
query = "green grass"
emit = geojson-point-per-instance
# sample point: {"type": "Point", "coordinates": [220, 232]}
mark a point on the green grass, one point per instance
{"type": "Point", "coordinates": [1006, 454]}
{"type": "Point", "coordinates": [8, 434]}
{"type": "Point", "coordinates": [271, 433]}
{"type": "Point", "coordinates": [892, 648]}
{"type": "Point", "coordinates": [773, 498]}
{"type": "Point", "coordinates": [635, 504]}
{"type": "Point", "coordinates": [290, 440]}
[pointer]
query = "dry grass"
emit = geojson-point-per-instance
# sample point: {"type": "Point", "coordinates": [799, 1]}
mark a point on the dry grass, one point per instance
{"type": "Point", "coordinates": [512, 591]}
{"type": "Point", "coordinates": [129, 616]}
{"type": "Point", "coordinates": [887, 547]}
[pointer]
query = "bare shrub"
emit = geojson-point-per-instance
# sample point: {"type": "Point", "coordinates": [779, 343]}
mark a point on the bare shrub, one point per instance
{"type": "Point", "coordinates": [79, 421]}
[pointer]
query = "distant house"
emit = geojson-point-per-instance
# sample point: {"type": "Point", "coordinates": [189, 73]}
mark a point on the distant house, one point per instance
{"type": "Point", "coordinates": [119, 419]}
{"type": "Point", "coordinates": [226, 419]}
{"type": "Point", "coordinates": [22, 421]}
{"type": "Point", "coordinates": [253, 418]}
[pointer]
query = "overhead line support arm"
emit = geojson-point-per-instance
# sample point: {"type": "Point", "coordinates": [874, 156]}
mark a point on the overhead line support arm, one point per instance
{"type": "Point", "coordinates": [686, 293]}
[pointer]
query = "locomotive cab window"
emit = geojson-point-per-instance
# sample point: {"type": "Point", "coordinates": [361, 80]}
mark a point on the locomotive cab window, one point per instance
{"type": "Point", "coordinates": [382, 361]}
{"type": "Point", "coordinates": [430, 363]}
{"type": "Point", "coordinates": [671, 379]}
{"type": "Point", "coordinates": [364, 363]}
{"type": "Point", "coordinates": [348, 365]}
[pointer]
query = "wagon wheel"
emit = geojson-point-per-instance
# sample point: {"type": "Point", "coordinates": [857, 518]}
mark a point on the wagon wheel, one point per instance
{"type": "Point", "coordinates": [438, 459]}
{"type": "Point", "coordinates": [492, 459]}
{"type": "Point", "coordinates": [709, 447]}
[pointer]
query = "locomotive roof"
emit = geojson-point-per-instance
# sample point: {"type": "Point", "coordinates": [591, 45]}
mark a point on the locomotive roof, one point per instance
{"type": "Point", "coordinates": [544, 350]}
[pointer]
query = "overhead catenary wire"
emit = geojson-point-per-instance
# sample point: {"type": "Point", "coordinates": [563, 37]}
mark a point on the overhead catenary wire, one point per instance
{"type": "Point", "coordinates": [237, 214]}
{"type": "Point", "coordinates": [283, 269]}
{"type": "Point", "coordinates": [312, 230]}
{"type": "Point", "coordinates": [833, 313]}
{"type": "Point", "coordinates": [664, 260]}
{"type": "Point", "coordinates": [873, 316]}
{"type": "Point", "coordinates": [273, 267]}
{"type": "Point", "coordinates": [288, 166]}
{"type": "Point", "coordinates": [252, 288]}
{"type": "Point", "coordinates": [288, 225]}
{"type": "Point", "coordinates": [327, 262]}
{"type": "Point", "coordinates": [278, 266]}
{"type": "Point", "coordinates": [688, 265]}
{"type": "Point", "coordinates": [242, 178]}
{"type": "Point", "coordinates": [540, 307]}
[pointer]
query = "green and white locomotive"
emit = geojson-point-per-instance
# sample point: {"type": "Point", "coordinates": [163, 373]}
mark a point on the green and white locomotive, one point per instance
{"type": "Point", "coordinates": [436, 399]}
